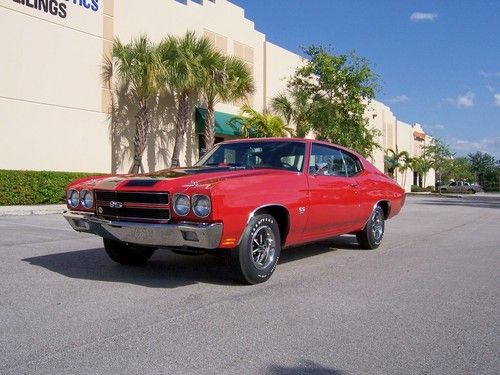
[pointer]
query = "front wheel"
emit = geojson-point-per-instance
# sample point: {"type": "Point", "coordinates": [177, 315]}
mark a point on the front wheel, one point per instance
{"type": "Point", "coordinates": [371, 235]}
{"type": "Point", "coordinates": [125, 253]}
{"type": "Point", "coordinates": [255, 259]}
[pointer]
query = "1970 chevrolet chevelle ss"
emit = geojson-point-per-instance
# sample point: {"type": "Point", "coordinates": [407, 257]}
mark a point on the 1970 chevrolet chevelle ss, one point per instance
{"type": "Point", "coordinates": [246, 198]}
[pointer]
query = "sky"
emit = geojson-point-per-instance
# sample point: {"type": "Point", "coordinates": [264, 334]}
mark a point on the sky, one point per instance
{"type": "Point", "coordinates": [438, 61]}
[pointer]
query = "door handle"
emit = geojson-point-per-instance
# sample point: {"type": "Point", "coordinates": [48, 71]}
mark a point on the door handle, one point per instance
{"type": "Point", "coordinates": [354, 185]}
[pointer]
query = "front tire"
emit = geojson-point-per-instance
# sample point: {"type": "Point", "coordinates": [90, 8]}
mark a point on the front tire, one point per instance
{"type": "Point", "coordinates": [371, 236]}
{"type": "Point", "coordinates": [128, 254]}
{"type": "Point", "coordinates": [256, 257]}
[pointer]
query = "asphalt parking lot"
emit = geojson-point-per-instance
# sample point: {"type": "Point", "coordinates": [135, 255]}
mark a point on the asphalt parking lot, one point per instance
{"type": "Point", "coordinates": [427, 301]}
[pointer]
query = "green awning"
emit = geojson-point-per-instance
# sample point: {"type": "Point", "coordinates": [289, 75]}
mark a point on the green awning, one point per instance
{"type": "Point", "coordinates": [222, 123]}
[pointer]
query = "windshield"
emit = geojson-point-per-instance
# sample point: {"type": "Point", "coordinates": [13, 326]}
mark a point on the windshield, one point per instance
{"type": "Point", "coordinates": [259, 154]}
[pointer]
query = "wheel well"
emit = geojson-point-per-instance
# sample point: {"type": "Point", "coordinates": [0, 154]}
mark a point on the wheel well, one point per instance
{"type": "Point", "coordinates": [282, 217]}
{"type": "Point", "coordinates": [385, 207]}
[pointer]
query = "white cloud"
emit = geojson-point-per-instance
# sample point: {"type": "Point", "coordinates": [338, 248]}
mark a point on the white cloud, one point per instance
{"type": "Point", "coordinates": [484, 74]}
{"type": "Point", "coordinates": [489, 145]}
{"type": "Point", "coordinates": [419, 16]}
{"type": "Point", "coordinates": [490, 88]}
{"type": "Point", "coordinates": [496, 98]}
{"type": "Point", "coordinates": [466, 100]}
{"type": "Point", "coordinates": [434, 127]}
{"type": "Point", "coordinates": [399, 99]}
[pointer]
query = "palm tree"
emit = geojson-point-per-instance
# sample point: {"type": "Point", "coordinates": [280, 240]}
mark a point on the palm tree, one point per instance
{"type": "Point", "coordinates": [258, 125]}
{"type": "Point", "coordinates": [422, 166]}
{"type": "Point", "coordinates": [405, 165]}
{"type": "Point", "coordinates": [138, 66]}
{"type": "Point", "coordinates": [229, 79]}
{"type": "Point", "coordinates": [294, 105]}
{"type": "Point", "coordinates": [185, 60]}
{"type": "Point", "coordinates": [392, 161]}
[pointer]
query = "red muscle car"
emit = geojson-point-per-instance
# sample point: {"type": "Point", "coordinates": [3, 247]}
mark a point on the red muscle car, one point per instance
{"type": "Point", "coordinates": [246, 198]}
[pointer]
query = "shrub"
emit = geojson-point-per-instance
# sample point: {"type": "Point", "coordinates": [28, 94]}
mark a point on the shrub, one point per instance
{"type": "Point", "coordinates": [418, 189]}
{"type": "Point", "coordinates": [35, 187]}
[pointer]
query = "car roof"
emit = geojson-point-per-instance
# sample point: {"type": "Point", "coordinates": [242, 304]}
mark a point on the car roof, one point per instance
{"type": "Point", "coordinates": [283, 139]}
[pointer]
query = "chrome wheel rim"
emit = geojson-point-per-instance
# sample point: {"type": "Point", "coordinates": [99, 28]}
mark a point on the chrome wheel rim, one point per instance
{"type": "Point", "coordinates": [263, 247]}
{"type": "Point", "coordinates": [377, 226]}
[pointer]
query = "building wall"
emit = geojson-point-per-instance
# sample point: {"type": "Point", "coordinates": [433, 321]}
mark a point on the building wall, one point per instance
{"type": "Point", "coordinates": [57, 114]}
{"type": "Point", "coordinates": [50, 89]}
{"type": "Point", "coordinates": [280, 65]}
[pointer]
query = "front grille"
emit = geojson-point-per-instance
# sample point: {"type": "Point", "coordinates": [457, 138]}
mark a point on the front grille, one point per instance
{"type": "Point", "coordinates": [133, 206]}
{"type": "Point", "coordinates": [132, 197]}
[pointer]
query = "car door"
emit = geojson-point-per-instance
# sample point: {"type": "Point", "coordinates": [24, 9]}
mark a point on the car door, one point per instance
{"type": "Point", "coordinates": [333, 200]}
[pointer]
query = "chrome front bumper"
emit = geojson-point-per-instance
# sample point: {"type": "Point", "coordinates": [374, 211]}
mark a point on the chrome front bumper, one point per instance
{"type": "Point", "coordinates": [205, 236]}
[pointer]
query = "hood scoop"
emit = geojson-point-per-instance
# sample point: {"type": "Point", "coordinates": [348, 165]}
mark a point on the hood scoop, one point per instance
{"type": "Point", "coordinates": [142, 182]}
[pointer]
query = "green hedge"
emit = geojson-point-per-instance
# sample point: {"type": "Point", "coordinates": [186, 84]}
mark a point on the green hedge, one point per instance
{"type": "Point", "coordinates": [418, 189]}
{"type": "Point", "coordinates": [33, 187]}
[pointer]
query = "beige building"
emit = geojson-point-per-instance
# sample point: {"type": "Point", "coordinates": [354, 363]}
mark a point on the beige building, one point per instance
{"type": "Point", "coordinates": [55, 109]}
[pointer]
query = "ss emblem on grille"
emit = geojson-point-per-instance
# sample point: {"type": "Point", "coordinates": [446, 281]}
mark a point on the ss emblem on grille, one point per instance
{"type": "Point", "coordinates": [115, 204]}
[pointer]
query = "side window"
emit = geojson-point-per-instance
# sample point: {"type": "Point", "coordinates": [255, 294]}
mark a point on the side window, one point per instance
{"type": "Point", "coordinates": [352, 164]}
{"type": "Point", "coordinates": [453, 183]}
{"type": "Point", "coordinates": [326, 161]}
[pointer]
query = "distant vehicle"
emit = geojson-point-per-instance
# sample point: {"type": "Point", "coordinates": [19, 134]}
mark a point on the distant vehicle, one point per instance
{"type": "Point", "coordinates": [460, 187]}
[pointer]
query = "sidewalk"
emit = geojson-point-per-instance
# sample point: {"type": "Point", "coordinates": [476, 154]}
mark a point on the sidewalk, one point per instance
{"type": "Point", "coordinates": [32, 210]}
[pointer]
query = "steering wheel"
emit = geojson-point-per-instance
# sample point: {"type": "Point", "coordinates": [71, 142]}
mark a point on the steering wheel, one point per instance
{"type": "Point", "coordinates": [287, 166]}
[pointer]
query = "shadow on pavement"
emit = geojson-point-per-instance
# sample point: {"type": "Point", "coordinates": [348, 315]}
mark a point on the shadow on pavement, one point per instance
{"type": "Point", "coordinates": [166, 269]}
{"type": "Point", "coordinates": [347, 242]}
{"type": "Point", "coordinates": [163, 270]}
{"type": "Point", "coordinates": [473, 201]}
{"type": "Point", "coordinates": [306, 368]}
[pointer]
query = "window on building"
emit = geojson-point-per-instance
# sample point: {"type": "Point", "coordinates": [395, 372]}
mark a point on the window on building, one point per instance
{"type": "Point", "coordinates": [245, 53]}
{"type": "Point", "coordinates": [218, 41]}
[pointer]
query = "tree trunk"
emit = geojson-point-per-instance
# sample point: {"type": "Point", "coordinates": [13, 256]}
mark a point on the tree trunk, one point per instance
{"type": "Point", "coordinates": [181, 128]}
{"type": "Point", "coordinates": [140, 138]}
{"type": "Point", "coordinates": [209, 128]}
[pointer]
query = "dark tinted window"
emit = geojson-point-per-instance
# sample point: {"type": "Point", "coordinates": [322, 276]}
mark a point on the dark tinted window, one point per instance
{"type": "Point", "coordinates": [352, 164]}
{"type": "Point", "coordinates": [258, 154]}
{"type": "Point", "coordinates": [326, 161]}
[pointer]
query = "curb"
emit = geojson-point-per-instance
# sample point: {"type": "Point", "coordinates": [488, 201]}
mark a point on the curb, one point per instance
{"type": "Point", "coordinates": [32, 210]}
{"type": "Point", "coordinates": [433, 195]}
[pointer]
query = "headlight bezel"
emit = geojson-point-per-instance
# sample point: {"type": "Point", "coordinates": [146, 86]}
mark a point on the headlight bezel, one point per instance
{"type": "Point", "coordinates": [69, 198]}
{"type": "Point", "coordinates": [83, 194]}
{"type": "Point", "coordinates": [197, 197]}
{"type": "Point", "coordinates": [174, 204]}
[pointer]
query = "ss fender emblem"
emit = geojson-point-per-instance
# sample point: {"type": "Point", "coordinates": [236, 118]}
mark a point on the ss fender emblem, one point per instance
{"type": "Point", "coordinates": [115, 204]}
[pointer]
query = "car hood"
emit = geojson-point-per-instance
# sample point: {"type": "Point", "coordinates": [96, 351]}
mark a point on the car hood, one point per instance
{"type": "Point", "coordinates": [172, 178]}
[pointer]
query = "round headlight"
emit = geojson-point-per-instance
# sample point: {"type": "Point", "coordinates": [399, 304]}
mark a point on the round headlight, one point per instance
{"type": "Point", "coordinates": [181, 204]}
{"type": "Point", "coordinates": [201, 205]}
{"type": "Point", "coordinates": [87, 199]}
{"type": "Point", "coordinates": [73, 198]}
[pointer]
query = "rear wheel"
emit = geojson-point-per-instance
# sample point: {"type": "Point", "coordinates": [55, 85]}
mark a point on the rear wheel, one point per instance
{"type": "Point", "coordinates": [371, 235]}
{"type": "Point", "coordinates": [255, 259]}
{"type": "Point", "coordinates": [129, 254]}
